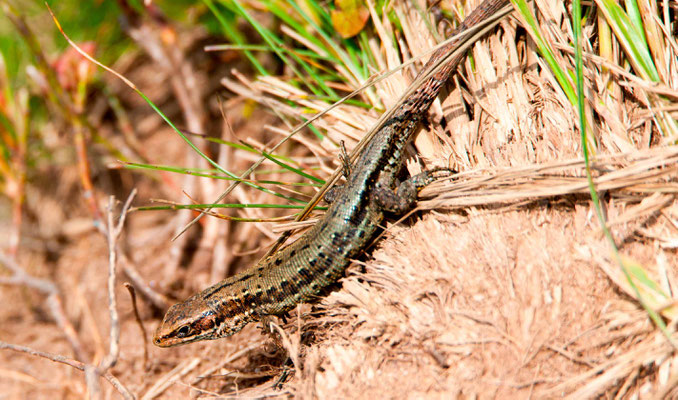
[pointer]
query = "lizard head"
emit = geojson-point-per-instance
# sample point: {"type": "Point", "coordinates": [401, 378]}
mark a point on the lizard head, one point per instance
{"type": "Point", "coordinates": [186, 322]}
{"type": "Point", "coordinates": [193, 320]}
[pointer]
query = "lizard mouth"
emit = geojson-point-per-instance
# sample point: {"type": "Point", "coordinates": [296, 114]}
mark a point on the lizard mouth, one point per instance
{"type": "Point", "coordinates": [161, 342]}
{"type": "Point", "coordinates": [168, 342]}
{"type": "Point", "coordinates": [162, 339]}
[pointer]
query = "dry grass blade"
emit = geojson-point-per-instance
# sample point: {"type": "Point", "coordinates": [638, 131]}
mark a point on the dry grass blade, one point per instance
{"type": "Point", "coordinates": [597, 380]}
{"type": "Point", "coordinates": [649, 171]}
{"type": "Point", "coordinates": [171, 377]}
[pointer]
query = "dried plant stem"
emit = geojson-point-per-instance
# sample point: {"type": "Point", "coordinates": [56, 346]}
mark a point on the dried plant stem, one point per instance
{"type": "Point", "coordinates": [20, 277]}
{"type": "Point", "coordinates": [144, 334]}
{"type": "Point", "coordinates": [158, 300]}
{"type": "Point", "coordinates": [114, 231]}
{"type": "Point", "coordinates": [645, 172]}
{"type": "Point", "coordinates": [86, 175]}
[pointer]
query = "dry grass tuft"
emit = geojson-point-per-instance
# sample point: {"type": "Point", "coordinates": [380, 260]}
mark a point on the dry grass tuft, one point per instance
{"type": "Point", "coordinates": [505, 303]}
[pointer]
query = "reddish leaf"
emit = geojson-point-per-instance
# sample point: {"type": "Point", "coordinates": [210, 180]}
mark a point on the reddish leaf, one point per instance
{"type": "Point", "coordinates": [72, 68]}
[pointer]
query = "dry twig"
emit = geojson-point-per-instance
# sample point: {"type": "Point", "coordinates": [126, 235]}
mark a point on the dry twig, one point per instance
{"type": "Point", "coordinates": [158, 299]}
{"type": "Point", "coordinates": [144, 334]}
{"type": "Point", "coordinates": [114, 231]}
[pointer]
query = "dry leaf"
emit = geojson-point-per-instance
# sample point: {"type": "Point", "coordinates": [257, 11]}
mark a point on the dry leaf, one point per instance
{"type": "Point", "coordinates": [349, 17]}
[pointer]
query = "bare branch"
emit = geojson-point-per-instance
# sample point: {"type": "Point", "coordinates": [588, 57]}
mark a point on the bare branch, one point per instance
{"type": "Point", "coordinates": [114, 231]}
{"type": "Point", "coordinates": [20, 277]}
{"type": "Point", "coordinates": [92, 380]}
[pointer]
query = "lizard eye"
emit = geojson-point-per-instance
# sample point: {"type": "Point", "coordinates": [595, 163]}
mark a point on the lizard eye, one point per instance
{"type": "Point", "coordinates": [183, 331]}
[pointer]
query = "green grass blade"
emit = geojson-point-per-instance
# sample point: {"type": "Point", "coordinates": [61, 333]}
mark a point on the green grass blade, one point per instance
{"type": "Point", "coordinates": [204, 156]}
{"type": "Point", "coordinates": [634, 16]}
{"type": "Point", "coordinates": [355, 70]}
{"type": "Point", "coordinates": [234, 35]}
{"type": "Point", "coordinates": [545, 50]}
{"type": "Point", "coordinates": [276, 44]}
{"type": "Point", "coordinates": [258, 47]}
{"type": "Point", "coordinates": [628, 271]}
{"type": "Point", "coordinates": [160, 113]}
{"type": "Point", "coordinates": [221, 205]}
{"type": "Point", "coordinates": [291, 168]}
{"type": "Point", "coordinates": [211, 174]}
{"type": "Point", "coordinates": [287, 19]}
{"type": "Point", "coordinates": [631, 38]}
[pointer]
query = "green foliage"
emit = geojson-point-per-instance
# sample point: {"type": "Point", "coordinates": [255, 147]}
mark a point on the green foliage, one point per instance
{"type": "Point", "coordinates": [312, 23]}
{"type": "Point", "coordinates": [628, 30]}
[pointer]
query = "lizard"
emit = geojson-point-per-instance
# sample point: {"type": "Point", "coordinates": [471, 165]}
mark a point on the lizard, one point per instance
{"type": "Point", "coordinates": [300, 271]}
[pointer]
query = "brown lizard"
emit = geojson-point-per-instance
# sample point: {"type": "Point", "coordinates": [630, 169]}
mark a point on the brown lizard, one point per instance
{"type": "Point", "coordinates": [300, 271]}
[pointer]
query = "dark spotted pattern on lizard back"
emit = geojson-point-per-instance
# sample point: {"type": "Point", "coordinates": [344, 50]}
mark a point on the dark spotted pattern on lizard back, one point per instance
{"type": "Point", "coordinates": [303, 269]}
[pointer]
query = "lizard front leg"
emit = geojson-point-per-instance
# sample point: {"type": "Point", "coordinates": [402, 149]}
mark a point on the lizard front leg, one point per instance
{"type": "Point", "coordinates": [404, 197]}
{"type": "Point", "coordinates": [332, 193]}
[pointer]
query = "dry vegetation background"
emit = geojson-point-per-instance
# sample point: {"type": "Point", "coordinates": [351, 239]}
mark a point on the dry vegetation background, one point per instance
{"type": "Point", "coordinates": [502, 285]}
